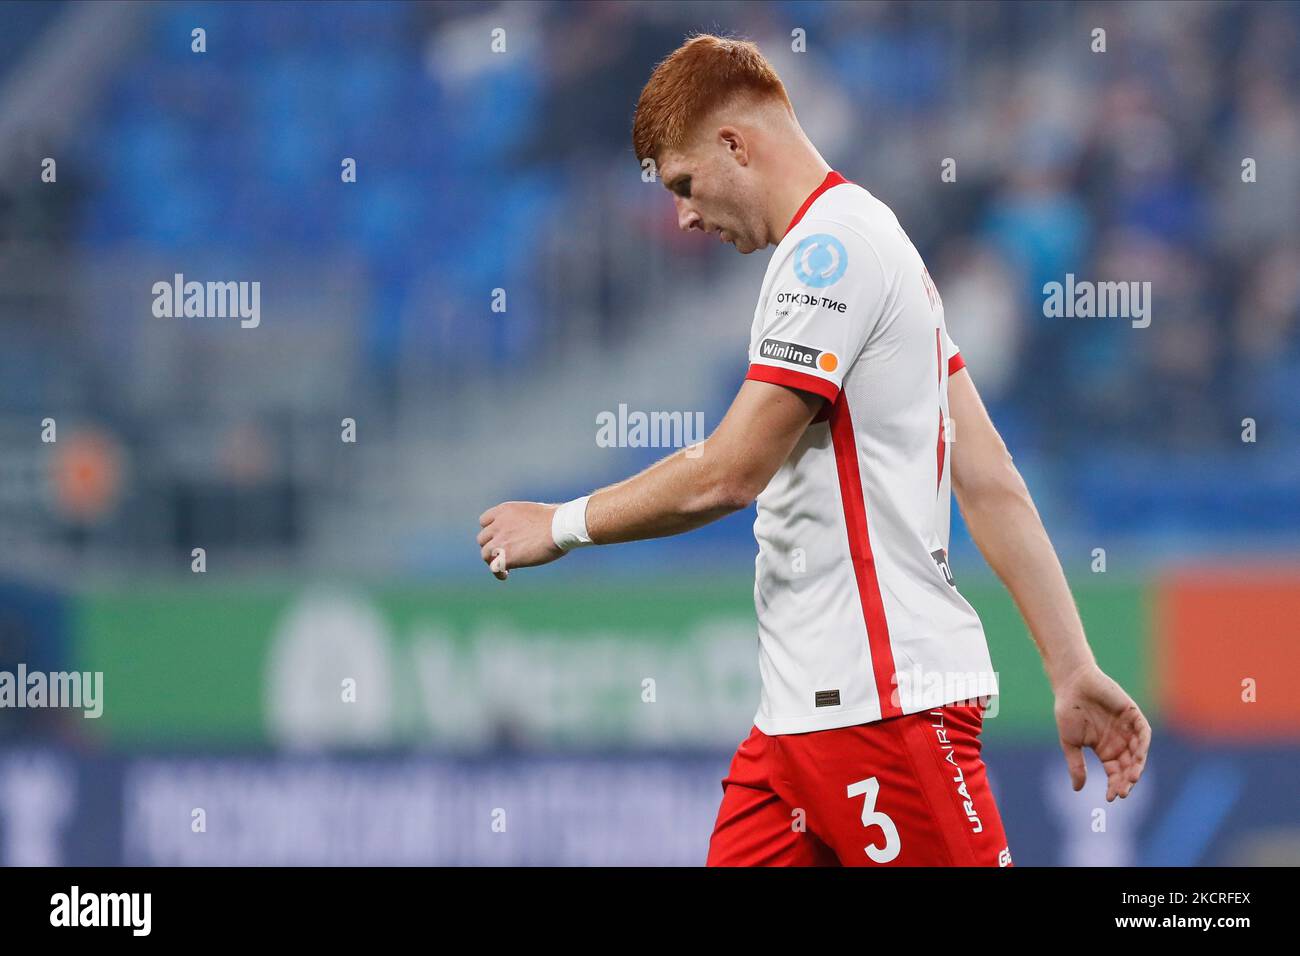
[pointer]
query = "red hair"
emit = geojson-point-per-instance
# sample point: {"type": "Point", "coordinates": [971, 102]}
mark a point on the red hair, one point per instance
{"type": "Point", "coordinates": [699, 76]}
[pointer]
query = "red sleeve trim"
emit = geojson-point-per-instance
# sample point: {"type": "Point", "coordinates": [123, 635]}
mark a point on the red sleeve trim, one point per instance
{"type": "Point", "coordinates": [955, 364]}
{"type": "Point", "coordinates": [791, 378]}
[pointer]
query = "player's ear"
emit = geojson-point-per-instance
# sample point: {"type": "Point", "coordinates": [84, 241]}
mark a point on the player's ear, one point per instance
{"type": "Point", "coordinates": [734, 142]}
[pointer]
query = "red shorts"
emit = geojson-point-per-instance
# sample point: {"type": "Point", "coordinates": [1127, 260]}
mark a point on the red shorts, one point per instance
{"type": "Point", "coordinates": [908, 791]}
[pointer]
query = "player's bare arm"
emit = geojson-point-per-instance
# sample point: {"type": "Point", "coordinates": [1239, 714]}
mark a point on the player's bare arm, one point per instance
{"type": "Point", "coordinates": [689, 488]}
{"type": "Point", "coordinates": [1091, 709]}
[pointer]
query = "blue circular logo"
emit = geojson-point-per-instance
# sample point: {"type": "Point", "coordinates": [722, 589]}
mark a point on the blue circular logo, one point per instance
{"type": "Point", "coordinates": [820, 261]}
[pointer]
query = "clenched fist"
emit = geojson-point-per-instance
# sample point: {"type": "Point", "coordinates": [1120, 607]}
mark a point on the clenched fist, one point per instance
{"type": "Point", "coordinates": [517, 534]}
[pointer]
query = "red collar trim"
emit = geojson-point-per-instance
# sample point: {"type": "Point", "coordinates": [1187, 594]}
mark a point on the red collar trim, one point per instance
{"type": "Point", "coordinates": [832, 179]}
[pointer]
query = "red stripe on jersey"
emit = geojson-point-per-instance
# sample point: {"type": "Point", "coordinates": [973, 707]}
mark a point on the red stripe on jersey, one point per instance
{"type": "Point", "coordinates": [864, 565]}
{"type": "Point", "coordinates": [792, 378]}
{"type": "Point", "coordinates": [955, 364]}
{"type": "Point", "coordinates": [832, 179]}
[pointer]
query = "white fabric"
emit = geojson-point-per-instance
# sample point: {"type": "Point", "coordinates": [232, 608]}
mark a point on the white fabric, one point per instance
{"type": "Point", "coordinates": [846, 281]}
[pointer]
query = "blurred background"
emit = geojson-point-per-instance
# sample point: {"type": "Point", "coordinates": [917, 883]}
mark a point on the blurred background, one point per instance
{"type": "Point", "coordinates": [335, 679]}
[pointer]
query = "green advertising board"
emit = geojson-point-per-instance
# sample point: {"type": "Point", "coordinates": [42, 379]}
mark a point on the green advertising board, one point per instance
{"type": "Point", "coordinates": [671, 663]}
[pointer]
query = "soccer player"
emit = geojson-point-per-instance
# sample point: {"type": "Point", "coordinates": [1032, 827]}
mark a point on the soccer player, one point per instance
{"type": "Point", "coordinates": [865, 747]}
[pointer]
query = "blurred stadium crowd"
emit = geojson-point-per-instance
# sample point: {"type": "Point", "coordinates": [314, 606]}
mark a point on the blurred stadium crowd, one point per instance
{"type": "Point", "coordinates": [479, 171]}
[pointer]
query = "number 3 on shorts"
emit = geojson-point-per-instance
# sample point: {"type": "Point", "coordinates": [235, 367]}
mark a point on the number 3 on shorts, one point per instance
{"type": "Point", "coordinates": [870, 789]}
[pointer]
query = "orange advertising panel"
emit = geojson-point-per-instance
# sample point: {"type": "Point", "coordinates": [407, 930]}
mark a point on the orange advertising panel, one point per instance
{"type": "Point", "coordinates": [1227, 651]}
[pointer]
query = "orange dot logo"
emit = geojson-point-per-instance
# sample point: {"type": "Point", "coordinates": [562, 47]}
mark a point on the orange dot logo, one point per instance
{"type": "Point", "coordinates": [828, 362]}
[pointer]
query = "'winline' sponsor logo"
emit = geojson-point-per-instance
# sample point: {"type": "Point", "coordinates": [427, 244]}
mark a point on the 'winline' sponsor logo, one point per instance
{"type": "Point", "coordinates": [209, 300]}
{"type": "Point", "coordinates": [56, 689]}
{"type": "Point", "coordinates": [795, 354]}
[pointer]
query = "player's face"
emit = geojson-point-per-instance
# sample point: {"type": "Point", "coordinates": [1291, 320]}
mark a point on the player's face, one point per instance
{"type": "Point", "coordinates": [713, 194]}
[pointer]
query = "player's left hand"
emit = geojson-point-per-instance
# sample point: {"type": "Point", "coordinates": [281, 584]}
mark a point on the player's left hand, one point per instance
{"type": "Point", "coordinates": [1094, 711]}
{"type": "Point", "coordinates": [517, 534]}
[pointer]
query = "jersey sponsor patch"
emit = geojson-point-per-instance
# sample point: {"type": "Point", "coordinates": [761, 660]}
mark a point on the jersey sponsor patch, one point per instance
{"type": "Point", "coordinates": [799, 355]}
{"type": "Point", "coordinates": [798, 299]}
{"type": "Point", "coordinates": [820, 260]}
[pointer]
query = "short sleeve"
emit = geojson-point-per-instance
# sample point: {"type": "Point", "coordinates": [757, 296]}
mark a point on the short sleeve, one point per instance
{"type": "Point", "coordinates": [955, 362]}
{"type": "Point", "coordinates": [827, 298]}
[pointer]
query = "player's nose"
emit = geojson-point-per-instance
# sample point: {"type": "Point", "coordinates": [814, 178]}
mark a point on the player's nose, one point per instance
{"type": "Point", "coordinates": [687, 218]}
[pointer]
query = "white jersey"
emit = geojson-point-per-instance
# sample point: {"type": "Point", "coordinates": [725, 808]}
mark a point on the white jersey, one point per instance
{"type": "Point", "coordinates": [858, 616]}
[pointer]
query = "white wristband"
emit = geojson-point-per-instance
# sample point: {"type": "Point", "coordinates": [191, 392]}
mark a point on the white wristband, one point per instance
{"type": "Point", "coordinates": [569, 524]}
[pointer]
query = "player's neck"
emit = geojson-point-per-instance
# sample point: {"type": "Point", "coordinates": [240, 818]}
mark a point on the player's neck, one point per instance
{"type": "Point", "coordinates": [801, 173]}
